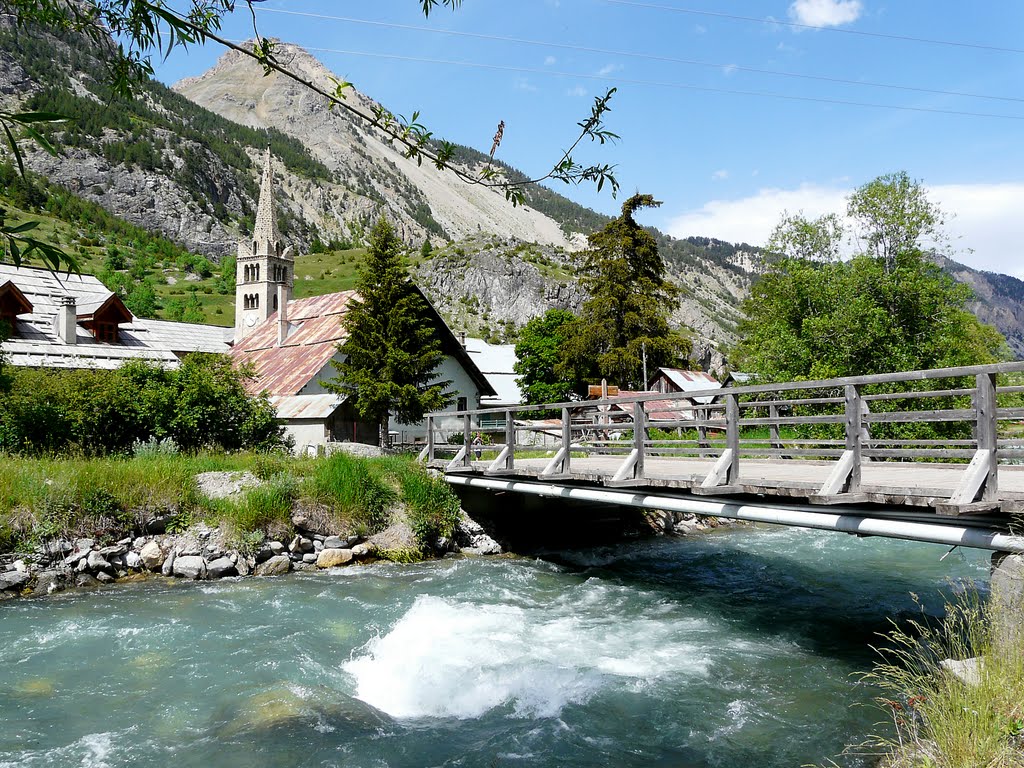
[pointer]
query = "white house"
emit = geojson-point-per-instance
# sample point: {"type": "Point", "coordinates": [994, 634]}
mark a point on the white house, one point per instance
{"type": "Point", "coordinates": [61, 320]}
{"type": "Point", "coordinates": [290, 344]}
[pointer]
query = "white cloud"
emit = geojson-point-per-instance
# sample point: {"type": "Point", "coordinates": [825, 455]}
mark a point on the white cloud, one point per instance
{"type": "Point", "coordinates": [825, 13]}
{"type": "Point", "coordinates": [578, 90]}
{"type": "Point", "coordinates": [728, 69]}
{"type": "Point", "coordinates": [607, 69]}
{"type": "Point", "coordinates": [720, 175]}
{"type": "Point", "coordinates": [983, 220]}
{"type": "Point", "coordinates": [700, 29]}
{"type": "Point", "coordinates": [549, 60]}
{"type": "Point", "coordinates": [523, 84]}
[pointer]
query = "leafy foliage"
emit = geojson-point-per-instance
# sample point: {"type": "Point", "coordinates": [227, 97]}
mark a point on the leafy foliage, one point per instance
{"type": "Point", "coordinates": [201, 404]}
{"type": "Point", "coordinates": [392, 351]}
{"type": "Point", "coordinates": [538, 354]}
{"type": "Point", "coordinates": [891, 309]}
{"type": "Point", "coordinates": [807, 320]}
{"type": "Point", "coordinates": [630, 301]}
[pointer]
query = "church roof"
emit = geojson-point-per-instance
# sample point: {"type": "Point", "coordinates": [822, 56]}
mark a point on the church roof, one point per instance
{"type": "Point", "coordinates": [314, 332]}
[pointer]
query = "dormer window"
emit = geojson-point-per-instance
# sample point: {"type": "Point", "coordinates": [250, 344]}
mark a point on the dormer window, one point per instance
{"type": "Point", "coordinates": [103, 320]}
{"type": "Point", "coordinates": [12, 304]}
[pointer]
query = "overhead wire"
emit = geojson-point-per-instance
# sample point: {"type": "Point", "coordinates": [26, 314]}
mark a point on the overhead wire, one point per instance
{"type": "Point", "coordinates": [836, 30]}
{"type": "Point", "coordinates": [656, 83]}
{"type": "Point", "coordinates": [639, 55]}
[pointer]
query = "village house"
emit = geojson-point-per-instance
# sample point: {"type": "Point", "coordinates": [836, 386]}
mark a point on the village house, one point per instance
{"type": "Point", "coordinates": [290, 344]}
{"type": "Point", "coordinates": [58, 320]}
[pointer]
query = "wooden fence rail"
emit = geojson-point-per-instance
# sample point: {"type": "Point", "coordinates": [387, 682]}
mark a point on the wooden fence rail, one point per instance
{"type": "Point", "coordinates": [942, 415]}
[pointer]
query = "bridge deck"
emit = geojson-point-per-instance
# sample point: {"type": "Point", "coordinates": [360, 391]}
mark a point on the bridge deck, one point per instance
{"type": "Point", "coordinates": [891, 483]}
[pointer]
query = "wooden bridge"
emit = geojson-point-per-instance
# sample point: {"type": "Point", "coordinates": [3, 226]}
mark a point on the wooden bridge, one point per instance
{"type": "Point", "coordinates": [940, 447]}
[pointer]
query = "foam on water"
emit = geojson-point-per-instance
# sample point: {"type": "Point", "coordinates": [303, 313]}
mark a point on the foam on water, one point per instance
{"type": "Point", "coordinates": [447, 658]}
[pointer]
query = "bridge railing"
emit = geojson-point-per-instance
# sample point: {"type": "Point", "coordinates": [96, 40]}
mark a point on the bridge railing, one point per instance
{"type": "Point", "coordinates": [969, 415]}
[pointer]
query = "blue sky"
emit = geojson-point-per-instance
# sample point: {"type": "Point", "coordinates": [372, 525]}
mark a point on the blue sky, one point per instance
{"type": "Point", "coordinates": [706, 137]}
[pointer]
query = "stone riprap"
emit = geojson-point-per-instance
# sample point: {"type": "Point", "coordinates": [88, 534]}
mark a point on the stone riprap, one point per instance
{"type": "Point", "coordinates": [203, 553]}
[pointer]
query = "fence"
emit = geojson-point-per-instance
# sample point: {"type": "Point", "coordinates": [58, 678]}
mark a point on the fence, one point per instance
{"type": "Point", "coordinates": [961, 415]}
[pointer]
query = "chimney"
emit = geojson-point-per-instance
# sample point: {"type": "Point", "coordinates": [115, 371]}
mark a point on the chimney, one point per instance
{"type": "Point", "coordinates": [67, 320]}
{"type": "Point", "coordinates": [282, 314]}
{"type": "Point", "coordinates": [462, 338]}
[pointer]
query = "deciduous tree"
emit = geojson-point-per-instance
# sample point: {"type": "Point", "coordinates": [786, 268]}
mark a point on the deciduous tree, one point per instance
{"type": "Point", "coordinates": [538, 354]}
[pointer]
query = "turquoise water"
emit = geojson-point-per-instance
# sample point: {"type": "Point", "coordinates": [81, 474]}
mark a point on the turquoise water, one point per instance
{"type": "Point", "coordinates": [737, 648]}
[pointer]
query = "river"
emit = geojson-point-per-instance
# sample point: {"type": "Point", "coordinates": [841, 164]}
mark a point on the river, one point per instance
{"type": "Point", "coordinates": [735, 648]}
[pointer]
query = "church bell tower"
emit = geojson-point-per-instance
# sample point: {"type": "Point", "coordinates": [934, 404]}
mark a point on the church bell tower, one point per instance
{"type": "Point", "coordinates": [263, 264]}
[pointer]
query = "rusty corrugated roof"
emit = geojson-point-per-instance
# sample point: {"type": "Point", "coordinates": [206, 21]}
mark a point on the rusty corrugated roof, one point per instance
{"type": "Point", "coordinates": [315, 331]}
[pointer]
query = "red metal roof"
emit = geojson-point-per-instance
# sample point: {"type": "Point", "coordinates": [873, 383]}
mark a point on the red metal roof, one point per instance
{"type": "Point", "coordinates": [315, 331]}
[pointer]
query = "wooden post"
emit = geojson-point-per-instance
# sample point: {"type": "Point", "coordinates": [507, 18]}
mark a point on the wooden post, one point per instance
{"type": "Point", "coordinates": [566, 439]}
{"type": "Point", "coordinates": [854, 434]}
{"type": "Point", "coordinates": [703, 415]}
{"type": "Point", "coordinates": [430, 438]}
{"type": "Point", "coordinates": [510, 440]}
{"type": "Point", "coordinates": [773, 428]}
{"type": "Point", "coordinates": [467, 423]}
{"type": "Point", "coordinates": [732, 436]}
{"type": "Point", "coordinates": [987, 426]}
{"type": "Point", "coordinates": [639, 436]}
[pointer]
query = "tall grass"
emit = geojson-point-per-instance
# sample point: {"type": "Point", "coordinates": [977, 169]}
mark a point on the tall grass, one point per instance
{"type": "Point", "coordinates": [938, 720]}
{"type": "Point", "coordinates": [48, 498]}
{"type": "Point", "coordinates": [353, 489]}
{"type": "Point", "coordinates": [42, 499]}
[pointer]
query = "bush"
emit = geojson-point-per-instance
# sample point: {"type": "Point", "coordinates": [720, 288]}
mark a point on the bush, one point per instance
{"type": "Point", "coordinates": [139, 407]}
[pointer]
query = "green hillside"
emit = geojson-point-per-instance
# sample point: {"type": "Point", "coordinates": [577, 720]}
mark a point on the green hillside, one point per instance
{"type": "Point", "coordinates": [155, 276]}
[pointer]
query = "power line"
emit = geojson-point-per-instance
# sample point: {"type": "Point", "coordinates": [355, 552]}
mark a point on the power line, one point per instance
{"type": "Point", "coordinates": [636, 55]}
{"type": "Point", "coordinates": [797, 25]}
{"type": "Point", "coordinates": [657, 83]}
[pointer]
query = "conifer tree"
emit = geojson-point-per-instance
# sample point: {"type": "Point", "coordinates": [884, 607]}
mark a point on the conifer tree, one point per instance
{"type": "Point", "coordinates": [627, 313]}
{"type": "Point", "coordinates": [393, 350]}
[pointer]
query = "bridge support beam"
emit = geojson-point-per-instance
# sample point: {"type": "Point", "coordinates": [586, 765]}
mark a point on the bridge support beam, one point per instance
{"type": "Point", "coordinates": [796, 515]}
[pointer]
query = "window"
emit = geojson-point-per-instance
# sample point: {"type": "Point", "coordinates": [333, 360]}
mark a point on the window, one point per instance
{"type": "Point", "coordinates": [492, 420]}
{"type": "Point", "coordinates": [461, 404]}
{"type": "Point", "coordinates": [253, 247]}
{"type": "Point", "coordinates": [106, 333]}
{"type": "Point", "coordinates": [275, 302]}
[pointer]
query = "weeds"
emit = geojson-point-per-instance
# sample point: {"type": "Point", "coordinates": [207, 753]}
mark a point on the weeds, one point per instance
{"type": "Point", "coordinates": [940, 721]}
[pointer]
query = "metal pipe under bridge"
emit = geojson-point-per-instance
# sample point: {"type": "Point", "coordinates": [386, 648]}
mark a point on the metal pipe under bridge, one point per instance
{"type": "Point", "coordinates": [935, 455]}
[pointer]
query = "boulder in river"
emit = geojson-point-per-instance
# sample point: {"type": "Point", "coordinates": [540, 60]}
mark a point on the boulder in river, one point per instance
{"type": "Point", "coordinates": [152, 556]}
{"type": "Point", "coordinates": [275, 566]}
{"type": "Point", "coordinates": [190, 567]}
{"type": "Point", "coordinates": [221, 567]}
{"type": "Point", "coordinates": [167, 569]}
{"type": "Point", "coordinates": [332, 558]}
{"type": "Point", "coordinates": [13, 580]}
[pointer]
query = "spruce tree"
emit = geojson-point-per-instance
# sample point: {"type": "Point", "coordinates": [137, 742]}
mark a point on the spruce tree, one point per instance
{"type": "Point", "coordinates": [627, 313]}
{"type": "Point", "coordinates": [393, 349]}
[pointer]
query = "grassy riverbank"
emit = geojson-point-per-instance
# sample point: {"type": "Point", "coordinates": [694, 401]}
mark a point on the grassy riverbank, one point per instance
{"type": "Point", "coordinates": [108, 498]}
{"type": "Point", "coordinates": [964, 713]}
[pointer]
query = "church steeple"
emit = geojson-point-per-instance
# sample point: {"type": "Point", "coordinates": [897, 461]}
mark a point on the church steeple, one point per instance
{"type": "Point", "coordinates": [263, 263]}
{"type": "Point", "coordinates": [265, 230]}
